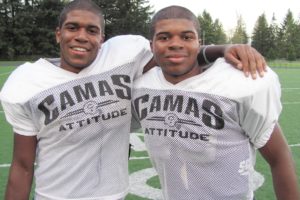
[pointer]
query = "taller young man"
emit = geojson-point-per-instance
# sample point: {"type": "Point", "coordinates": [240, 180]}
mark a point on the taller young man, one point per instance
{"type": "Point", "coordinates": [71, 116]}
{"type": "Point", "coordinates": [202, 128]}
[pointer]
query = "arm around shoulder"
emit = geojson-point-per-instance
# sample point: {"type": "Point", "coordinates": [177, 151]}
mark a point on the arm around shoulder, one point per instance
{"type": "Point", "coordinates": [277, 153]}
{"type": "Point", "coordinates": [22, 167]}
{"type": "Point", "coordinates": [242, 56]}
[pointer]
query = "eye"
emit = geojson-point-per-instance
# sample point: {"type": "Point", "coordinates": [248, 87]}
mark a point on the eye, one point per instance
{"type": "Point", "coordinates": [71, 27]}
{"type": "Point", "coordinates": [188, 37]}
{"type": "Point", "coordinates": [163, 37]}
{"type": "Point", "coordinates": [93, 30]}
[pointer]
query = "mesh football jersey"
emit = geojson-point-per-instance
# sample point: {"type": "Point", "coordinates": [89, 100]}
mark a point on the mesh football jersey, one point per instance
{"type": "Point", "coordinates": [202, 133]}
{"type": "Point", "coordinates": [81, 120]}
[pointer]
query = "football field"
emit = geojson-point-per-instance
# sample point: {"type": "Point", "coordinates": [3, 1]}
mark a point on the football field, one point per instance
{"type": "Point", "coordinates": [143, 179]}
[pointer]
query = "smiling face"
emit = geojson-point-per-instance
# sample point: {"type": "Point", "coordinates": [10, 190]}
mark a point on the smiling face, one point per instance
{"type": "Point", "coordinates": [80, 38]}
{"type": "Point", "coordinates": [175, 46]}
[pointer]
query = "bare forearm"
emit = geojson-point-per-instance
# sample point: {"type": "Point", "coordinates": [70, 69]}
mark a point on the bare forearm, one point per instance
{"type": "Point", "coordinates": [285, 180]}
{"type": "Point", "coordinates": [212, 53]}
{"type": "Point", "coordinates": [277, 153]}
{"type": "Point", "coordinates": [19, 184]}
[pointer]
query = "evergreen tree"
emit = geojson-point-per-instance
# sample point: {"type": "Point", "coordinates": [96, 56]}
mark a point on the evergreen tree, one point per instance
{"type": "Point", "coordinates": [260, 35]}
{"type": "Point", "coordinates": [220, 35]}
{"type": "Point", "coordinates": [211, 31]}
{"type": "Point", "coordinates": [240, 34]}
{"type": "Point", "coordinates": [297, 40]}
{"type": "Point", "coordinates": [272, 52]}
{"type": "Point", "coordinates": [206, 25]}
{"type": "Point", "coordinates": [126, 16]}
{"type": "Point", "coordinates": [28, 26]}
{"type": "Point", "coordinates": [289, 37]}
{"type": "Point", "coordinates": [4, 21]}
{"type": "Point", "coordinates": [23, 28]}
{"type": "Point", "coordinates": [46, 21]}
{"type": "Point", "coordinates": [9, 10]}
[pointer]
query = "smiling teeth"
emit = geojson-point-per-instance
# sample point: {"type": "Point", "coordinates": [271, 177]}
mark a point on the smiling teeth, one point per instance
{"type": "Point", "coordinates": [79, 49]}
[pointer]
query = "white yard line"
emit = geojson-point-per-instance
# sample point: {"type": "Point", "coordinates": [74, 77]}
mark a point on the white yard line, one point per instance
{"type": "Point", "coordinates": [3, 74]}
{"type": "Point", "coordinates": [294, 145]}
{"type": "Point", "coordinates": [4, 165]}
{"type": "Point", "coordinates": [139, 186]}
{"type": "Point", "coordinates": [290, 88]}
{"type": "Point", "coordinates": [290, 103]}
{"type": "Point", "coordinates": [138, 158]}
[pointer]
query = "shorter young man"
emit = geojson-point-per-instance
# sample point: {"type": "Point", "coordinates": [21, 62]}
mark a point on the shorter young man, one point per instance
{"type": "Point", "coordinates": [202, 127]}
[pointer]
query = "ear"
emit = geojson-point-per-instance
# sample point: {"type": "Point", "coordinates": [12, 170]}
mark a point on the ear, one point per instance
{"type": "Point", "coordinates": [102, 38]}
{"type": "Point", "coordinates": [58, 35]}
{"type": "Point", "coordinates": [151, 45]}
{"type": "Point", "coordinates": [200, 43]}
{"type": "Point", "coordinates": [101, 41]}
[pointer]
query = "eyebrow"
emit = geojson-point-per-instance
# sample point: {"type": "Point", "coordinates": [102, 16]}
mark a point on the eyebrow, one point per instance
{"type": "Point", "coordinates": [184, 32]}
{"type": "Point", "coordinates": [77, 24]}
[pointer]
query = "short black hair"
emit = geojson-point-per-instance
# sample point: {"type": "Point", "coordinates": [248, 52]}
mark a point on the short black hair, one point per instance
{"type": "Point", "coordinates": [174, 12]}
{"type": "Point", "coordinates": [87, 5]}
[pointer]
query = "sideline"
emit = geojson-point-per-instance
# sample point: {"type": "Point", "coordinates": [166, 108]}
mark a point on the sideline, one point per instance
{"type": "Point", "coordinates": [290, 88]}
{"type": "Point", "coordinates": [294, 145]}
{"type": "Point", "coordinates": [289, 103]}
{"type": "Point", "coordinates": [5, 73]}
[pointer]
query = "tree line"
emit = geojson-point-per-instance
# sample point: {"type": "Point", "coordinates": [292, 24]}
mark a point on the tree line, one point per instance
{"type": "Point", "coordinates": [274, 41]}
{"type": "Point", "coordinates": [27, 28]}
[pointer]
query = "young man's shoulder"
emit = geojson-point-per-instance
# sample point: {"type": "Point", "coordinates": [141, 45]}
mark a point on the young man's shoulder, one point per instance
{"type": "Point", "coordinates": [233, 77]}
{"type": "Point", "coordinates": [125, 49]}
{"type": "Point", "coordinates": [126, 39]}
{"type": "Point", "coordinates": [20, 83]}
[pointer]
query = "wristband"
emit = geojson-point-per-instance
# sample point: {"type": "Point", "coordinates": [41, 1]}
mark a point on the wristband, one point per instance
{"type": "Point", "coordinates": [204, 56]}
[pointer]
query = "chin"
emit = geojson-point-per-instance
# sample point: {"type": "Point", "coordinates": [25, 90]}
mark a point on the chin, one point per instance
{"type": "Point", "coordinates": [80, 65]}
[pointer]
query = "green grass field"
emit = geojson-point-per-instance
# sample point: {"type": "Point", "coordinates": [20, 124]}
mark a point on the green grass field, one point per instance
{"type": "Point", "coordinates": [139, 162]}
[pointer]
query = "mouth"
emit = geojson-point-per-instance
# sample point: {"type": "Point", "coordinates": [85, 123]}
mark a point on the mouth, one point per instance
{"type": "Point", "coordinates": [178, 58]}
{"type": "Point", "coordinates": [79, 49]}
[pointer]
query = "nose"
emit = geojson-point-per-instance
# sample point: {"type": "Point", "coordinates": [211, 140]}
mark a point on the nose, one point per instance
{"type": "Point", "coordinates": [81, 35]}
{"type": "Point", "coordinates": [175, 43]}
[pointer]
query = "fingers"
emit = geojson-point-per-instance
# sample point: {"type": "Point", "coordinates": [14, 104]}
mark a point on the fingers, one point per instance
{"type": "Point", "coordinates": [251, 61]}
{"type": "Point", "coordinates": [246, 58]}
{"type": "Point", "coordinates": [232, 57]}
{"type": "Point", "coordinates": [260, 64]}
{"type": "Point", "coordinates": [241, 55]}
{"type": "Point", "coordinates": [234, 61]}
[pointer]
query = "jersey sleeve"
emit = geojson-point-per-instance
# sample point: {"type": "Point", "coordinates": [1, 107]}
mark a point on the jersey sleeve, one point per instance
{"type": "Point", "coordinates": [260, 112]}
{"type": "Point", "coordinates": [145, 56]}
{"type": "Point", "coordinates": [16, 115]}
{"type": "Point", "coordinates": [133, 49]}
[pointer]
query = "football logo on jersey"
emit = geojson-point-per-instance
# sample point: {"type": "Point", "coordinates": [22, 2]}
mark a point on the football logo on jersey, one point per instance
{"type": "Point", "coordinates": [172, 120]}
{"type": "Point", "coordinates": [91, 107]}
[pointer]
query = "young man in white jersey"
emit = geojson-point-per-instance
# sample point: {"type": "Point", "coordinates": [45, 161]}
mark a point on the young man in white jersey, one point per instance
{"type": "Point", "coordinates": [202, 128]}
{"type": "Point", "coordinates": [71, 116]}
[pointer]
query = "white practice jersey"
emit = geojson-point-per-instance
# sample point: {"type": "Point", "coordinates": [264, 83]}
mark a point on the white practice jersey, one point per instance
{"type": "Point", "coordinates": [81, 121]}
{"type": "Point", "coordinates": [202, 133]}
